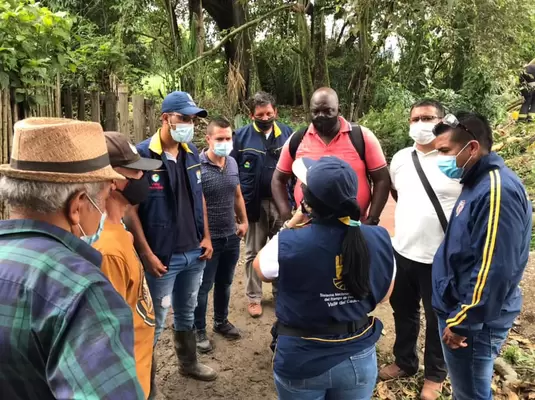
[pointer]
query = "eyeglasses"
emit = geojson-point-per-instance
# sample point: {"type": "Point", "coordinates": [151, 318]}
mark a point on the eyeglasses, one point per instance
{"type": "Point", "coordinates": [423, 118]}
{"type": "Point", "coordinates": [451, 121]}
{"type": "Point", "coordinates": [185, 118]}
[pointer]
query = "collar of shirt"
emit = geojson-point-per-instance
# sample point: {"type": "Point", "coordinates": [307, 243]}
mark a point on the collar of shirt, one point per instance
{"type": "Point", "coordinates": [345, 127]}
{"type": "Point", "coordinates": [206, 160]}
{"type": "Point", "coordinates": [432, 152]}
{"type": "Point", "coordinates": [155, 144]}
{"type": "Point", "coordinates": [29, 227]}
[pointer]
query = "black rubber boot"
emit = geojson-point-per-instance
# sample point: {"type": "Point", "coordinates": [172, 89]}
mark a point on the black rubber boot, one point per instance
{"type": "Point", "coordinates": [153, 388]}
{"type": "Point", "coordinates": [186, 352]}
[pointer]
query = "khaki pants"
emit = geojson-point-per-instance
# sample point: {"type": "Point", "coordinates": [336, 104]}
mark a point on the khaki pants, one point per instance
{"type": "Point", "coordinates": [256, 238]}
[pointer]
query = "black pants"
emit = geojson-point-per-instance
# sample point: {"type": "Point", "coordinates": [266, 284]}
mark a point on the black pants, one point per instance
{"type": "Point", "coordinates": [527, 110]}
{"type": "Point", "coordinates": [413, 282]}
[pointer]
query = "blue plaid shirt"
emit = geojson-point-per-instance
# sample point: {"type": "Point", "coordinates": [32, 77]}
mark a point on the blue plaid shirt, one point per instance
{"type": "Point", "coordinates": [65, 333]}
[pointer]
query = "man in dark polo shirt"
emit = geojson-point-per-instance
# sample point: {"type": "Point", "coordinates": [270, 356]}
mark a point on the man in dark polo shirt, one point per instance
{"type": "Point", "coordinates": [171, 228]}
{"type": "Point", "coordinates": [224, 202]}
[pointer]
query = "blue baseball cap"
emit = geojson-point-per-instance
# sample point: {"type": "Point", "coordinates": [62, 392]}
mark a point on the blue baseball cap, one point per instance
{"type": "Point", "coordinates": [182, 102]}
{"type": "Point", "coordinates": [329, 179]}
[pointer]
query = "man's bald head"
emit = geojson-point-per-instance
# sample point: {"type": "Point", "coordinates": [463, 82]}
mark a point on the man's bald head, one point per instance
{"type": "Point", "coordinates": [325, 93]}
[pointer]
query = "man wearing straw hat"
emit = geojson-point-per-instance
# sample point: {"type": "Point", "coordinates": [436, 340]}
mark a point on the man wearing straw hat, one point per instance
{"type": "Point", "coordinates": [65, 332]}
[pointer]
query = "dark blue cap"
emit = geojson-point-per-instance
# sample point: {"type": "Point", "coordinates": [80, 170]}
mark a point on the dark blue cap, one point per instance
{"type": "Point", "coordinates": [182, 102]}
{"type": "Point", "coordinates": [329, 179]}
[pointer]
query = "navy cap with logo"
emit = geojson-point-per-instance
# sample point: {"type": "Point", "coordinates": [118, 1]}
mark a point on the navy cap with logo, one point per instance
{"type": "Point", "coordinates": [329, 179]}
{"type": "Point", "coordinates": [182, 103]}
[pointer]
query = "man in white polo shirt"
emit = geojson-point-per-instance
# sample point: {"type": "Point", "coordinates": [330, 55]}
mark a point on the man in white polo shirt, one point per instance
{"type": "Point", "coordinates": [425, 198]}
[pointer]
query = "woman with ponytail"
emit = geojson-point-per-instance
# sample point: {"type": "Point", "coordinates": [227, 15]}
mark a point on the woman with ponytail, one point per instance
{"type": "Point", "coordinates": [332, 272]}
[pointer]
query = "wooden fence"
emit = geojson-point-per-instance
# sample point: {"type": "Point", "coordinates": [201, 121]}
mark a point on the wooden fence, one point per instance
{"type": "Point", "coordinates": [133, 115]}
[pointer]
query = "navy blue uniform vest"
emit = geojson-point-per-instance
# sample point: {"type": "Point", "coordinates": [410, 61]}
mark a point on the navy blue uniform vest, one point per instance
{"type": "Point", "coordinates": [158, 214]}
{"type": "Point", "coordinates": [257, 158]}
{"type": "Point", "coordinates": [311, 295]}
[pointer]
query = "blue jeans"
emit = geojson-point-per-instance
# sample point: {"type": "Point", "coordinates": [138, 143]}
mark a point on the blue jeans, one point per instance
{"type": "Point", "coordinates": [178, 287]}
{"type": "Point", "coordinates": [470, 368]}
{"type": "Point", "coordinates": [352, 379]}
{"type": "Point", "coordinates": [219, 270]}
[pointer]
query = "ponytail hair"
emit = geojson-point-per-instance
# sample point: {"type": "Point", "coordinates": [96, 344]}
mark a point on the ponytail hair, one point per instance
{"type": "Point", "coordinates": [355, 257]}
{"type": "Point", "coordinates": [355, 254]}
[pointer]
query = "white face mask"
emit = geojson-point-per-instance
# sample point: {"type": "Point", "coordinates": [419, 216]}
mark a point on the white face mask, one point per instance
{"type": "Point", "coordinates": [422, 132]}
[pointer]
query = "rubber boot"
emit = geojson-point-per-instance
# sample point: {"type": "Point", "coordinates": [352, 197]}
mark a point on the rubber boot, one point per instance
{"type": "Point", "coordinates": [153, 388]}
{"type": "Point", "coordinates": [186, 352]}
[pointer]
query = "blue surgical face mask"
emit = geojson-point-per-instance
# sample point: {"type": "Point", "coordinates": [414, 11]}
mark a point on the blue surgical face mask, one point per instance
{"type": "Point", "coordinates": [95, 236]}
{"type": "Point", "coordinates": [222, 149]}
{"type": "Point", "coordinates": [183, 133]}
{"type": "Point", "coordinates": [448, 164]}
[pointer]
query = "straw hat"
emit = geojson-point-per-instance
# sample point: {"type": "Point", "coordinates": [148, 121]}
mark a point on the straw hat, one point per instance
{"type": "Point", "coordinates": [59, 150]}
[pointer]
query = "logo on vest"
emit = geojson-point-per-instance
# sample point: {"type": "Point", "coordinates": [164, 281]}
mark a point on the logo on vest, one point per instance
{"type": "Point", "coordinates": [338, 282]}
{"type": "Point", "coordinates": [155, 177]}
{"type": "Point", "coordinates": [198, 174]}
{"type": "Point", "coordinates": [247, 165]}
{"type": "Point", "coordinates": [460, 208]}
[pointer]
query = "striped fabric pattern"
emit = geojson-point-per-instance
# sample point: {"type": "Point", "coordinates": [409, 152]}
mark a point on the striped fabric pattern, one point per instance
{"type": "Point", "coordinates": [64, 331]}
{"type": "Point", "coordinates": [488, 249]}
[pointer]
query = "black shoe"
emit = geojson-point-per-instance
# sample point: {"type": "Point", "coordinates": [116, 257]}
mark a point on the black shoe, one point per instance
{"type": "Point", "coordinates": [227, 330]}
{"type": "Point", "coordinates": [203, 343]}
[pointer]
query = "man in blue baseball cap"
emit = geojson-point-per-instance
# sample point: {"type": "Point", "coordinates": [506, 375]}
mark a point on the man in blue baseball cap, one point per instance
{"type": "Point", "coordinates": [171, 227]}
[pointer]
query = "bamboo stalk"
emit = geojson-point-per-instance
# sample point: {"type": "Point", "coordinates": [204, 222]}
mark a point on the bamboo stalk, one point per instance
{"type": "Point", "coordinates": [58, 96]}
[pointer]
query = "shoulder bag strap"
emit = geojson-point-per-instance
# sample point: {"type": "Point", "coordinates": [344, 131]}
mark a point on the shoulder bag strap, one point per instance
{"type": "Point", "coordinates": [430, 192]}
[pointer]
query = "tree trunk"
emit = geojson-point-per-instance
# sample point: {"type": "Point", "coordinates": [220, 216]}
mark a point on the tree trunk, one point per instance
{"type": "Point", "coordinates": [229, 14]}
{"type": "Point", "coordinates": [305, 59]}
{"type": "Point", "coordinates": [197, 31]}
{"type": "Point", "coordinates": [321, 74]}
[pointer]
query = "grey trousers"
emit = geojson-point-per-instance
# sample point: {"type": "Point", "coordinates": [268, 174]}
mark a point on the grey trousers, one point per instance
{"type": "Point", "coordinates": [256, 238]}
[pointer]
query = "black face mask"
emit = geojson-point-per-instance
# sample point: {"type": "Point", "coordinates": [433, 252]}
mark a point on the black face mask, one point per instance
{"type": "Point", "coordinates": [325, 125]}
{"type": "Point", "coordinates": [264, 125]}
{"type": "Point", "coordinates": [136, 191]}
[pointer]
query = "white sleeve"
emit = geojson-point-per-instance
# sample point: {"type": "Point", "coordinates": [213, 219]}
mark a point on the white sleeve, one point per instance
{"type": "Point", "coordinates": [269, 258]}
{"type": "Point", "coordinates": [392, 169]}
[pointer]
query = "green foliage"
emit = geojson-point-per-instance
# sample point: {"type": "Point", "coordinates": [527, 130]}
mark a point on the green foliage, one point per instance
{"type": "Point", "coordinates": [516, 356]}
{"type": "Point", "coordinates": [34, 44]}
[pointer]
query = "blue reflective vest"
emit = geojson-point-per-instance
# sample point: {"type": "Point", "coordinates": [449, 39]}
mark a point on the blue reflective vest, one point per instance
{"type": "Point", "coordinates": [158, 214]}
{"type": "Point", "coordinates": [311, 295]}
{"type": "Point", "coordinates": [477, 268]}
{"type": "Point", "coordinates": [257, 158]}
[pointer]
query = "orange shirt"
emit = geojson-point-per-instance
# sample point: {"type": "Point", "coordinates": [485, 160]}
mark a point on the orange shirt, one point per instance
{"type": "Point", "coordinates": [340, 146]}
{"type": "Point", "coordinates": [123, 268]}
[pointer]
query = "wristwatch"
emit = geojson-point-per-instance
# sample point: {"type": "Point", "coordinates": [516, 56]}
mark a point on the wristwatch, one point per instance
{"type": "Point", "coordinates": [373, 220]}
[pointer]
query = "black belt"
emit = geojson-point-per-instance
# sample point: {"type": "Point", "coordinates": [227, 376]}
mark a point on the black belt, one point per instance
{"type": "Point", "coordinates": [331, 329]}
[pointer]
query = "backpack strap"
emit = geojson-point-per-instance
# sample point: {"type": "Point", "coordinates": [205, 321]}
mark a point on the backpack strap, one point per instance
{"type": "Point", "coordinates": [295, 141]}
{"type": "Point", "coordinates": [357, 139]}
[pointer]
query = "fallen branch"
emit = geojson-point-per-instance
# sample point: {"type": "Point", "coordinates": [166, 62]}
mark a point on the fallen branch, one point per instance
{"type": "Point", "coordinates": [235, 32]}
{"type": "Point", "coordinates": [506, 371]}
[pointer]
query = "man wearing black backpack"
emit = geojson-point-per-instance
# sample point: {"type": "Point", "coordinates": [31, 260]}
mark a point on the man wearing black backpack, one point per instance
{"type": "Point", "coordinates": [331, 134]}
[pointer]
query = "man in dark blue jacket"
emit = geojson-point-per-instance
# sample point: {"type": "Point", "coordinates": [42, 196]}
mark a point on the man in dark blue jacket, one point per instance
{"type": "Point", "coordinates": [477, 269]}
{"type": "Point", "coordinates": [171, 230]}
{"type": "Point", "coordinates": [257, 148]}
